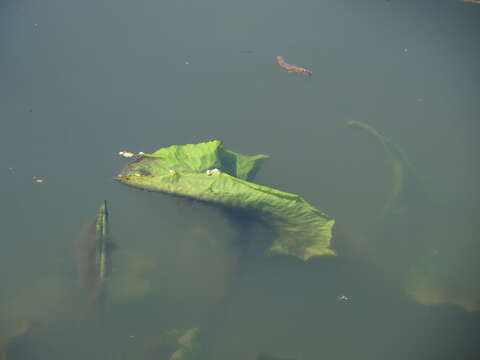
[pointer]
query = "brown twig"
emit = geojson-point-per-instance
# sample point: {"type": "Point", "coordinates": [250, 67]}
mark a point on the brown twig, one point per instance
{"type": "Point", "coordinates": [291, 67]}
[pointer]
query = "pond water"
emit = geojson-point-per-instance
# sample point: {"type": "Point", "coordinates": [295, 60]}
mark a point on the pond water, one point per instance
{"type": "Point", "coordinates": [83, 80]}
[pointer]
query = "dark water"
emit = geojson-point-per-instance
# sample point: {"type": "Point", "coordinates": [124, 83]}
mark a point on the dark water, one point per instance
{"type": "Point", "coordinates": [82, 80]}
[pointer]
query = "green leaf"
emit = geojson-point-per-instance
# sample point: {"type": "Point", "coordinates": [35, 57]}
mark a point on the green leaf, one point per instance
{"type": "Point", "coordinates": [210, 173]}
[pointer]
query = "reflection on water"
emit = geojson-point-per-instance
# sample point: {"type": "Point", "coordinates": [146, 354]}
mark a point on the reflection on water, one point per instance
{"type": "Point", "coordinates": [81, 81]}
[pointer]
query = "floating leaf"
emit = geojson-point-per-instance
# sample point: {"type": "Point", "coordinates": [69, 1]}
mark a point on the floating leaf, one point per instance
{"type": "Point", "coordinates": [210, 173]}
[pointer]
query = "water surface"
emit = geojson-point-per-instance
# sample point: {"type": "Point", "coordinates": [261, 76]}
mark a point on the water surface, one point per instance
{"type": "Point", "coordinates": [84, 80]}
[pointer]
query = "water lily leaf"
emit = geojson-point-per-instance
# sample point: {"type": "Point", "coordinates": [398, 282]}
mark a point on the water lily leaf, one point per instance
{"type": "Point", "coordinates": [209, 172]}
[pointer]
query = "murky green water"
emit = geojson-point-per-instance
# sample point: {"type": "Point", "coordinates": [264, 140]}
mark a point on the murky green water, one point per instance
{"type": "Point", "coordinates": [82, 80]}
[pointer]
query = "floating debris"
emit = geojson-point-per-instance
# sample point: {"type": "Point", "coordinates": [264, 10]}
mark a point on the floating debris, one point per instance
{"type": "Point", "coordinates": [343, 298]}
{"type": "Point", "coordinates": [38, 180]}
{"type": "Point", "coordinates": [127, 154]}
{"type": "Point", "coordinates": [291, 67]}
{"type": "Point", "coordinates": [141, 154]}
{"type": "Point", "coordinates": [212, 171]}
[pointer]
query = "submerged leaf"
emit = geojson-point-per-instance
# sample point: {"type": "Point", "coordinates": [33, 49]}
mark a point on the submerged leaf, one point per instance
{"type": "Point", "coordinates": [210, 173]}
{"type": "Point", "coordinates": [190, 347]}
{"type": "Point", "coordinates": [28, 308]}
{"type": "Point", "coordinates": [430, 283]}
{"type": "Point", "coordinates": [399, 163]}
{"type": "Point", "coordinates": [440, 269]}
{"type": "Point", "coordinates": [131, 278]}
